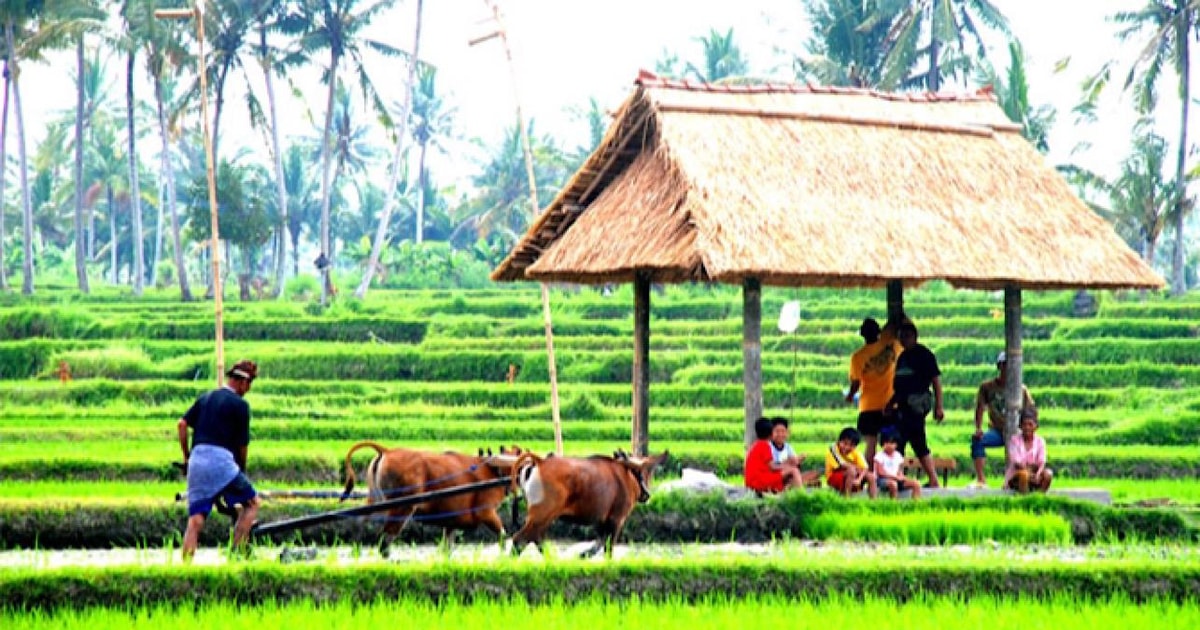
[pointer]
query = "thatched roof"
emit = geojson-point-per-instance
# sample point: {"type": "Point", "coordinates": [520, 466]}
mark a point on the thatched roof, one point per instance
{"type": "Point", "coordinates": [802, 185]}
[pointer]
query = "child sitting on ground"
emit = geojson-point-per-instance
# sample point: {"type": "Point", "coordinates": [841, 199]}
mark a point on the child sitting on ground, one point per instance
{"type": "Point", "coordinates": [783, 457]}
{"type": "Point", "coordinates": [845, 469]}
{"type": "Point", "coordinates": [759, 472]}
{"type": "Point", "coordinates": [889, 468]}
{"type": "Point", "coordinates": [1027, 458]}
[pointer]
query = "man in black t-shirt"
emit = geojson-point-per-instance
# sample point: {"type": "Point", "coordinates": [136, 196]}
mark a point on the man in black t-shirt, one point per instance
{"type": "Point", "coordinates": [216, 462]}
{"type": "Point", "coordinates": [916, 372]}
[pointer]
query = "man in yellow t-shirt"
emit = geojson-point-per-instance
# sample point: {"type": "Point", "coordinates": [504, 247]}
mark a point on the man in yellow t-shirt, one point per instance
{"type": "Point", "coordinates": [872, 368]}
{"type": "Point", "coordinates": [845, 469]}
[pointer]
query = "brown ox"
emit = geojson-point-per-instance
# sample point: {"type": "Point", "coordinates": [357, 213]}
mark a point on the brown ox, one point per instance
{"type": "Point", "coordinates": [599, 490]}
{"type": "Point", "coordinates": [399, 472]}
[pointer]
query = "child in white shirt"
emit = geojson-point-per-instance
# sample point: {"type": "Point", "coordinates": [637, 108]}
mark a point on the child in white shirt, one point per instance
{"type": "Point", "coordinates": [889, 468]}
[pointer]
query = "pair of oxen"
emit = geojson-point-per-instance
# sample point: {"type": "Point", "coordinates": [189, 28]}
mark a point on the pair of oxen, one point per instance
{"type": "Point", "coordinates": [600, 490]}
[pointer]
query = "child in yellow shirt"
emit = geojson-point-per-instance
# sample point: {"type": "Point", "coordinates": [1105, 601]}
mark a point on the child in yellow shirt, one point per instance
{"type": "Point", "coordinates": [845, 469]}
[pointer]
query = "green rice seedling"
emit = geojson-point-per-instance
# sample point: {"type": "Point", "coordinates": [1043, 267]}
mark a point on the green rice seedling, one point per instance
{"type": "Point", "coordinates": [936, 527]}
{"type": "Point", "coordinates": [728, 611]}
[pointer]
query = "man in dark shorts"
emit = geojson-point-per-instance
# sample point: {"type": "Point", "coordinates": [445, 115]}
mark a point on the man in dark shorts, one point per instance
{"type": "Point", "coordinates": [216, 461]}
{"type": "Point", "coordinates": [871, 371]}
{"type": "Point", "coordinates": [916, 372]}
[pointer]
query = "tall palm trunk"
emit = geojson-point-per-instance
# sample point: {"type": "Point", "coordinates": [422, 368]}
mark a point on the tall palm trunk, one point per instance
{"type": "Point", "coordinates": [91, 232]}
{"type": "Point", "coordinates": [3, 176]}
{"type": "Point", "coordinates": [1183, 38]}
{"type": "Point", "coordinates": [135, 196]}
{"type": "Point", "coordinates": [113, 241]}
{"type": "Point", "coordinates": [26, 206]}
{"type": "Point", "coordinates": [219, 108]}
{"type": "Point", "coordinates": [421, 191]}
{"type": "Point", "coordinates": [326, 167]}
{"type": "Point", "coordinates": [281, 186]}
{"type": "Point", "coordinates": [158, 226]}
{"type": "Point", "coordinates": [397, 160]}
{"type": "Point", "coordinates": [185, 292]}
{"type": "Point", "coordinates": [80, 255]}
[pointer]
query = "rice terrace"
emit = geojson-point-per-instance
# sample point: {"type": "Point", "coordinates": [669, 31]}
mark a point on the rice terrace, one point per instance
{"type": "Point", "coordinates": [839, 335]}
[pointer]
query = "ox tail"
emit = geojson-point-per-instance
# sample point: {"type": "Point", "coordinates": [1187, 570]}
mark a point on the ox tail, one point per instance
{"type": "Point", "coordinates": [350, 479]}
{"type": "Point", "coordinates": [523, 461]}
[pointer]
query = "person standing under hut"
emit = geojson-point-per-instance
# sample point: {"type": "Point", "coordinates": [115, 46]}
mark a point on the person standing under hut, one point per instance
{"type": "Point", "coordinates": [216, 461]}
{"type": "Point", "coordinates": [916, 373]}
{"type": "Point", "coordinates": [991, 397]}
{"type": "Point", "coordinates": [872, 368]}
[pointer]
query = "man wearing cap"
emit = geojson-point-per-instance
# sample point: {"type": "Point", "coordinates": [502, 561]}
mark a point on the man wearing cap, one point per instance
{"type": "Point", "coordinates": [216, 461]}
{"type": "Point", "coordinates": [991, 397]}
{"type": "Point", "coordinates": [872, 368]}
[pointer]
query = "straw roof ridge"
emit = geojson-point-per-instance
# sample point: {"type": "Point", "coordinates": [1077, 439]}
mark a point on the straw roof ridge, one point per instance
{"type": "Point", "coordinates": [651, 80]}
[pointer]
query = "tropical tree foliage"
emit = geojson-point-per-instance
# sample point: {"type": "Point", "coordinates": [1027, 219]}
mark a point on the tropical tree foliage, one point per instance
{"type": "Point", "coordinates": [1165, 30]}
{"type": "Point", "coordinates": [1141, 199]}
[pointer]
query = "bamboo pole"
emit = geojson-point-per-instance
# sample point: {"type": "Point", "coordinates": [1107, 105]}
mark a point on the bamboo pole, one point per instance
{"type": "Point", "coordinates": [502, 33]}
{"type": "Point", "coordinates": [197, 13]}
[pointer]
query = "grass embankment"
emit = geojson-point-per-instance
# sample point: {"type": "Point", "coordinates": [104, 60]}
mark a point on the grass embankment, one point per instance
{"type": "Point", "coordinates": [669, 517]}
{"type": "Point", "coordinates": [321, 461]}
{"type": "Point", "coordinates": [558, 582]}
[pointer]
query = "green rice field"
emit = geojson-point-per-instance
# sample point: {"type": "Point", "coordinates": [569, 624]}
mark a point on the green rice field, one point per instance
{"type": "Point", "coordinates": [86, 476]}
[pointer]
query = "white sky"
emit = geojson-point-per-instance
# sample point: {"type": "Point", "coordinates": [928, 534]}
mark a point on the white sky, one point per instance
{"type": "Point", "coordinates": [570, 50]}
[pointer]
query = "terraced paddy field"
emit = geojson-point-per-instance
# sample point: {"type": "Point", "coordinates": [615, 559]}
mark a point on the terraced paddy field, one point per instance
{"type": "Point", "coordinates": [85, 465]}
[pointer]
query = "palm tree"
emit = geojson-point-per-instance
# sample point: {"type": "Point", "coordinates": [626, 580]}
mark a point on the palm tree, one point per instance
{"type": "Point", "coordinates": [722, 58]}
{"type": "Point", "coordinates": [1172, 25]}
{"type": "Point", "coordinates": [17, 16]}
{"type": "Point", "coordinates": [164, 53]}
{"type": "Point", "coordinates": [432, 126]}
{"type": "Point", "coordinates": [278, 17]}
{"type": "Point", "coordinates": [135, 13]}
{"type": "Point", "coordinates": [1012, 92]}
{"type": "Point", "coordinates": [304, 208]}
{"type": "Point", "coordinates": [107, 173]}
{"type": "Point", "coordinates": [84, 17]}
{"type": "Point", "coordinates": [4, 176]}
{"type": "Point", "coordinates": [847, 42]}
{"type": "Point", "coordinates": [227, 24]}
{"type": "Point", "coordinates": [939, 30]}
{"type": "Point", "coordinates": [428, 121]}
{"type": "Point", "coordinates": [1140, 200]}
{"type": "Point", "coordinates": [337, 27]}
{"type": "Point", "coordinates": [500, 208]}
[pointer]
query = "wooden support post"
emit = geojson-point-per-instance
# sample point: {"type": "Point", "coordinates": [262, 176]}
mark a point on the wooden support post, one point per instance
{"type": "Point", "coordinates": [1013, 377]}
{"type": "Point", "coordinates": [752, 353]}
{"type": "Point", "coordinates": [895, 299]}
{"type": "Point", "coordinates": [641, 364]}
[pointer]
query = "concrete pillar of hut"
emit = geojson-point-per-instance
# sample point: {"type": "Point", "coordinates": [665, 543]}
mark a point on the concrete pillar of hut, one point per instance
{"type": "Point", "coordinates": [1013, 374]}
{"type": "Point", "coordinates": [641, 364]}
{"type": "Point", "coordinates": [752, 353]}
{"type": "Point", "coordinates": [895, 299]}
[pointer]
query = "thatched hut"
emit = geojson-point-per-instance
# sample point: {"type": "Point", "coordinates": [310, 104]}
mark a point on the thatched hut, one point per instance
{"type": "Point", "coordinates": [801, 185]}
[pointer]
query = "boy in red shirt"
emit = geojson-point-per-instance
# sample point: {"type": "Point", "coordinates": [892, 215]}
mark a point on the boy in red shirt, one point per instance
{"type": "Point", "coordinates": [759, 473]}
